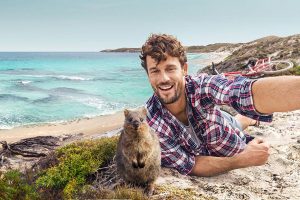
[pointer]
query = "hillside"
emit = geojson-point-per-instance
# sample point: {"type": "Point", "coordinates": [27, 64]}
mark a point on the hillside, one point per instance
{"type": "Point", "coordinates": [279, 48]}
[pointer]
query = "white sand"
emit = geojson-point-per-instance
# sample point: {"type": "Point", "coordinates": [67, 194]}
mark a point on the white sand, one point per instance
{"type": "Point", "coordinates": [278, 179]}
{"type": "Point", "coordinates": [86, 126]}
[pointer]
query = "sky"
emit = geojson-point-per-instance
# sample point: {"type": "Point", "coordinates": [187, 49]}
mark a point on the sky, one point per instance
{"type": "Point", "coordinates": [94, 25]}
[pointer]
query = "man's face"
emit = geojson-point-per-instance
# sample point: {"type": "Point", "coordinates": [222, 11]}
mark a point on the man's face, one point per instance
{"type": "Point", "coordinates": [167, 78]}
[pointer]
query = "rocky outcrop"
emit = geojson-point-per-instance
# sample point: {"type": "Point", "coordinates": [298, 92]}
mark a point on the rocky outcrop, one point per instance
{"type": "Point", "coordinates": [279, 48]}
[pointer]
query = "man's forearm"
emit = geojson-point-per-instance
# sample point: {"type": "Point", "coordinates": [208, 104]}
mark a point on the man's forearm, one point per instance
{"type": "Point", "coordinates": [276, 94]}
{"type": "Point", "coordinates": [256, 153]}
{"type": "Point", "coordinates": [211, 166]}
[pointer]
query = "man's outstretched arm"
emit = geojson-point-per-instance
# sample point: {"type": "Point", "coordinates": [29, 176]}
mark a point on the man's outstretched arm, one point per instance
{"type": "Point", "coordinates": [256, 153]}
{"type": "Point", "coordinates": [276, 94]}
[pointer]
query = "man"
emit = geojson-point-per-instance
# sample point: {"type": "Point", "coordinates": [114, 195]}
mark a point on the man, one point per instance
{"type": "Point", "coordinates": [196, 137]}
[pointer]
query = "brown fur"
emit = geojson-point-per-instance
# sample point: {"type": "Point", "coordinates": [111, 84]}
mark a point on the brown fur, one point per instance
{"type": "Point", "coordinates": [138, 153]}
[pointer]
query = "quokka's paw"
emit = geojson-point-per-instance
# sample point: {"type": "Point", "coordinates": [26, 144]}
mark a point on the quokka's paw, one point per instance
{"type": "Point", "coordinates": [149, 190]}
{"type": "Point", "coordinates": [141, 164]}
{"type": "Point", "coordinates": [135, 164]}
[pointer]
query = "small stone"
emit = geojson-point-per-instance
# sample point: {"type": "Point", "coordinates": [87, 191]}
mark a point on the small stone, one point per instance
{"type": "Point", "coordinates": [259, 133]}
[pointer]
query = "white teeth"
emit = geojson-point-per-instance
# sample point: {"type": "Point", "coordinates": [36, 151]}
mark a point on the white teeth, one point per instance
{"type": "Point", "coordinates": [165, 87]}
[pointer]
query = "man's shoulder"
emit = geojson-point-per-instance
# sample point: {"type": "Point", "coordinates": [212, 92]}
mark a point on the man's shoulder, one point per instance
{"type": "Point", "coordinates": [197, 79]}
{"type": "Point", "coordinates": [153, 108]}
{"type": "Point", "coordinates": [151, 104]}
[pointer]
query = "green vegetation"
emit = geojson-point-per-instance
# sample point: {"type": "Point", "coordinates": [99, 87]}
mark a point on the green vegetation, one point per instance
{"type": "Point", "coordinates": [65, 179]}
{"type": "Point", "coordinates": [295, 70]}
{"type": "Point", "coordinates": [76, 162]}
{"type": "Point", "coordinates": [14, 185]}
{"type": "Point", "coordinates": [121, 192]}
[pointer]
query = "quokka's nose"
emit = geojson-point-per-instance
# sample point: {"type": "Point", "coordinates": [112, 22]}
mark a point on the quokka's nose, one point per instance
{"type": "Point", "coordinates": [136, 124]}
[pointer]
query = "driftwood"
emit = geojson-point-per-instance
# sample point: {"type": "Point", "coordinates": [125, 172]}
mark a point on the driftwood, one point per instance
{"type": "Point", "coordinates": [31, 147]}
{"type": "Point", "coordinates": [29, 152]}
{"type": "Point", "coordinates": [107, 176]}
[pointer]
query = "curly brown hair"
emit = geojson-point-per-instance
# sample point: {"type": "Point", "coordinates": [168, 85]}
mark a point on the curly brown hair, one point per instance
{"type": "Point", "coordinates": [159, 46]}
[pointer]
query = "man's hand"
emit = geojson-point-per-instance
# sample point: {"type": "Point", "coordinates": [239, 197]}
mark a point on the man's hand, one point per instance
{"type": "Point", "coordinates": [256, 153]}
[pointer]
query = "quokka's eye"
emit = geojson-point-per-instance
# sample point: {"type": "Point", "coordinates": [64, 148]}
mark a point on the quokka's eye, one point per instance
{"type": "Point", "coordinates": [130, 119]}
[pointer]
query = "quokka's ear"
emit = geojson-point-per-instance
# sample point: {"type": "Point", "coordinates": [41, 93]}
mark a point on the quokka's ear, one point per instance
{"type": "Point", "coordinates": [126, 112]}
{"type": "Point", "coordinates": [144, 111]}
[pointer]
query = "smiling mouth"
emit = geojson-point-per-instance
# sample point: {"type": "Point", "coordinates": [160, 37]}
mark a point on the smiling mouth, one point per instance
{"type": "Point", "coordinates": [165, 87]}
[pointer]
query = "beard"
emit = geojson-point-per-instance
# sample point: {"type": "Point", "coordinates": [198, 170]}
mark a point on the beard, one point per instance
{"type": "Point", "coordinates": [171, 99]}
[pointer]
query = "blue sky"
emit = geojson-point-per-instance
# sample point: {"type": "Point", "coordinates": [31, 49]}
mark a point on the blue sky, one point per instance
{"type": "Point", "coordinates": [93, 25]}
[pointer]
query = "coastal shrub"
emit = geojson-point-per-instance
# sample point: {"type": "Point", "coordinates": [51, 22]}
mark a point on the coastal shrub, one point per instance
{"type": "Point", "coordinates": [120, 192]}
{"type": "Point", "coordinates": [172, 192]}
{"type": "Point", "coordinates": [76, 162]}
{"type": "Point", "coordinates": [127, 193]}
{"type": "Point", "coordinates": [296, 70]}
{"type": "Point", "coordinates": [14, 185]}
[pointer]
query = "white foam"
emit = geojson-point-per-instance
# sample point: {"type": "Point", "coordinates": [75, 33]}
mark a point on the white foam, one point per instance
{"type": "Point", "coordinates": [63, 77]}
{"type": "Point", "coordinates": [5, 127]}
{"type": "Point", "coordinates": [24, 82]}
{"type": "Point", "coordinates": [74, 78]}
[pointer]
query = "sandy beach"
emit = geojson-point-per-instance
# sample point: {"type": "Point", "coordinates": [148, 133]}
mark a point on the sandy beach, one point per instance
{"type": "Point", "coordinates": [215, 57]}
{"type": "Point", "coordinates": [85, 126]}
{"type": "Point", "coordinates": [279, 178]}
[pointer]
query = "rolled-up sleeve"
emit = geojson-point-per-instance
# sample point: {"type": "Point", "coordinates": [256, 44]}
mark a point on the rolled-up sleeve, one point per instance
{"type": "Point", "coordinates": [173, 155]}
{"type": "Point", "coordinates": [236, 93]}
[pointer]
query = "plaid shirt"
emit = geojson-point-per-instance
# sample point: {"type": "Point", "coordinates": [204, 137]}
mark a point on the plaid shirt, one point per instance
{"type": "Point", "coordinates": [217, 136]}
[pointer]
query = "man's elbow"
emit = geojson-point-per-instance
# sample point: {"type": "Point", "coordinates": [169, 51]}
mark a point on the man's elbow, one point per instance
{"type": "Point", "coordinates": [198, 171]}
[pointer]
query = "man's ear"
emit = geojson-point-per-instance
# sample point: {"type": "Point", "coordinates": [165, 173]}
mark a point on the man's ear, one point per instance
{"type": "Point", "coordinates": [185, 69]}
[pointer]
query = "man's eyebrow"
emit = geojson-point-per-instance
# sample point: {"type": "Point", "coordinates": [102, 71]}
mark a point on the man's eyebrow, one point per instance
{"type": "Point", "coordinates": [152, 68]}
{"type": "Point", "coordinates": [171, 65]}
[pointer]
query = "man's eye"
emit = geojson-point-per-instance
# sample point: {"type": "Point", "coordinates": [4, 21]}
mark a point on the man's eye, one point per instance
{"type": "Point", "coordinates": [141, 119]}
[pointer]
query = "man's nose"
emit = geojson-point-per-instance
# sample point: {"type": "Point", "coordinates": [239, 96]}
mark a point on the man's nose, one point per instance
{"type": "Point", "coordinates": [164, 77]}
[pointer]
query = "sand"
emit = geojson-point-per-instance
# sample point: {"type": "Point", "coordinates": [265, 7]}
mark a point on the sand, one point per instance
{"type": "Point", "coordinates": [215, 57]}
{"type": "Point", "coordinates": [85, 126]}
{"type": "Point", "coordinates": [278, 179]}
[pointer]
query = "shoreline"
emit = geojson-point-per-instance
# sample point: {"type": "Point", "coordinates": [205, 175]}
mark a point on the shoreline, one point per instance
{"type": "Point", "coordinates": [215, 57]}
{"type": "Point", "coordinates": [85, 126]}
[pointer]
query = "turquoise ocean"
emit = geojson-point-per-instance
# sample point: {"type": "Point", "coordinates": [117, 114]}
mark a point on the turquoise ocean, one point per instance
{"type": "Point", "coordinates": [54, 87]}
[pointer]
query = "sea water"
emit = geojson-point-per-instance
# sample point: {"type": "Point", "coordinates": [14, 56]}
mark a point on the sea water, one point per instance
{"type": "Point", "coordinates": [51, 87]}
